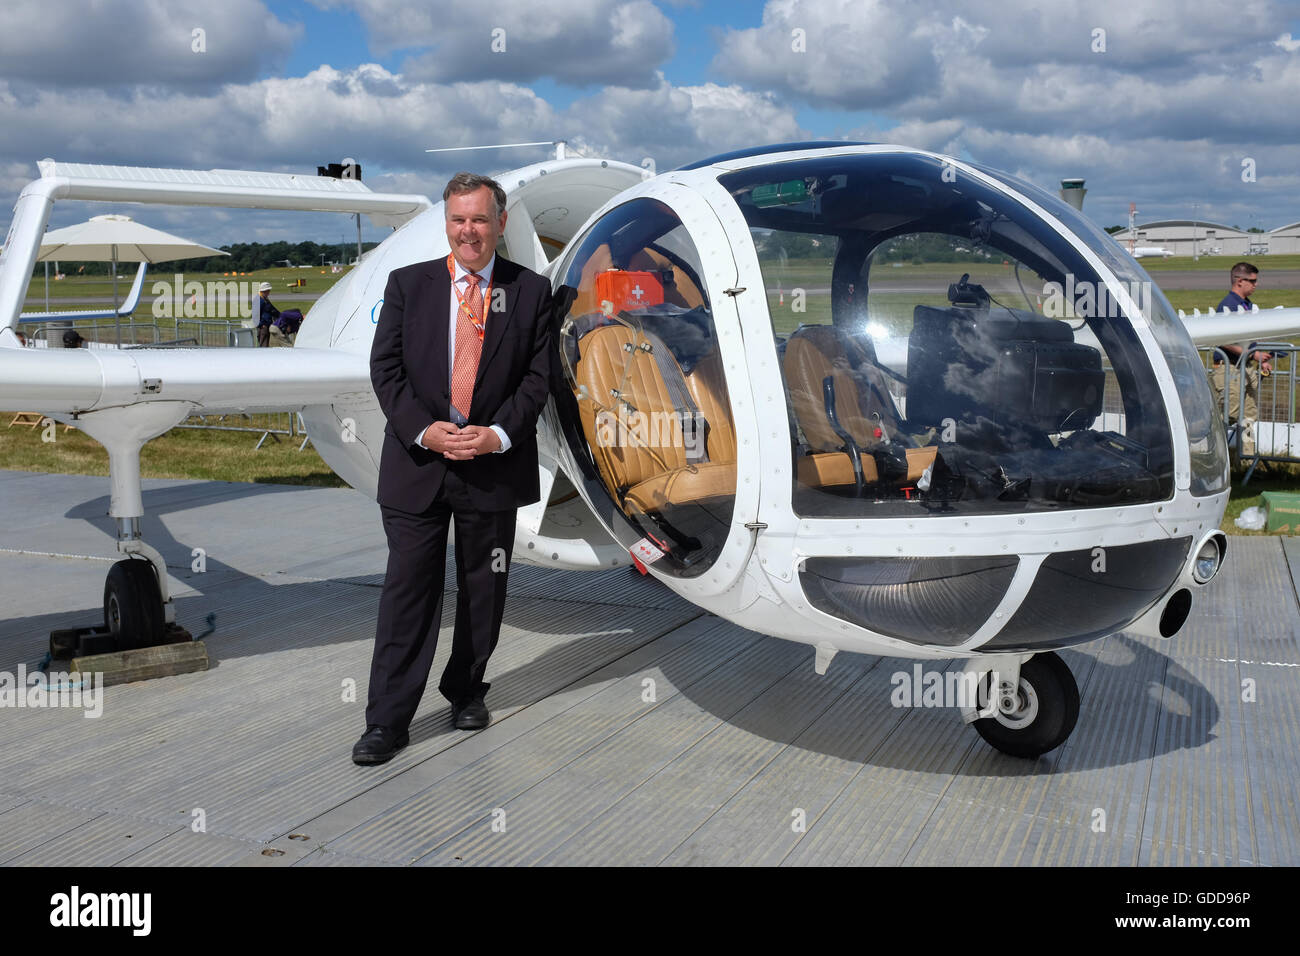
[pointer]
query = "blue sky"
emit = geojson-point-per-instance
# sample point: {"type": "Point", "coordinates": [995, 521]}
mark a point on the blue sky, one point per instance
{"type": "Point", "coordinates": [1163, 111]}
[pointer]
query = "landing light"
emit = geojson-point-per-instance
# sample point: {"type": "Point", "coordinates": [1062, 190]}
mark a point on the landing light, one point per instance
{"type": "Point", "coordinates": [1208, 560]}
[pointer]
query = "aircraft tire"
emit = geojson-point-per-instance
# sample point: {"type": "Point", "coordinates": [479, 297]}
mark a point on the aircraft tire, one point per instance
{"type": "Point", "coordinates": [133, 610]}
{"type": "Point", "coordinates": [1049, 709]}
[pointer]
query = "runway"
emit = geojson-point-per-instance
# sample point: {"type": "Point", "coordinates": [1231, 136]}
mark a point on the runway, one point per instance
{"type": "Point", "coordinates": [628, 726]}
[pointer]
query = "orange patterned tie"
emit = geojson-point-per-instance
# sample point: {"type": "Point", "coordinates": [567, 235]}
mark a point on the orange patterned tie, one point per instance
{"type": "Point", "coordinates": [469, 345]}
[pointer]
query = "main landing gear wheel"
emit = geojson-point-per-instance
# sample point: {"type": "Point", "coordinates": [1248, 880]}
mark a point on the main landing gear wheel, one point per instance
{"type": "Point", "coordinates": [133, 609]}
{"type": "Point", "coordinates": [1039, 715]}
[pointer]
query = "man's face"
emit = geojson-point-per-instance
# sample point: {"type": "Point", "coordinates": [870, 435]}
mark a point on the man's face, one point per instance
{"type": "Point", "coordinates": [1244, 286]}
{"type": "Point", "coordinates": [473, 227]}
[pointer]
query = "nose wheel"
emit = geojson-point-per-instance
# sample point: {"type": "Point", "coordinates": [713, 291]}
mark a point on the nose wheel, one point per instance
{"type": "Point", "coordinates": [133, 605]}
{"type": "Point", "coordinates": [1037, 713]}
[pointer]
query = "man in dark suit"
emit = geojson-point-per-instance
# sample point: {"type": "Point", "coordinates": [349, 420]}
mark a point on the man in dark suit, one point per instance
{"type": "Point", "coordinates": [461, 363]}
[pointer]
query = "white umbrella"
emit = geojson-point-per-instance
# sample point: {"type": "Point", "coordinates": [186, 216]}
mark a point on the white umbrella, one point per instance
{"type": "Point", "coordinates": [115, 238]}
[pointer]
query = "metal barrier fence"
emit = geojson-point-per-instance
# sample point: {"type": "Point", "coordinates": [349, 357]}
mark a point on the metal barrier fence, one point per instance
{"type": "Point", "coordinates": [216, 333]}
{"type": "Point", "coordinates": [270, 425]}
{"type": "Point", "coordinates": [227, 333]}
{"type": "Point", "coordinates": [133, 334]}
{"type": "Point", "coordinates": [204, 333]}
{"type": "Point", "coordinates": [1259, 410]}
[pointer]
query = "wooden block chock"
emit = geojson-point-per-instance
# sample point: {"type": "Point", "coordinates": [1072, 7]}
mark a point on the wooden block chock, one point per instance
{"type": "Point", "coordinates": [145, 663]}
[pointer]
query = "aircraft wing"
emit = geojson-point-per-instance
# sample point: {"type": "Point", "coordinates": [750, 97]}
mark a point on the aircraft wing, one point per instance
{"type": "Point", "coordinates": [123, 311]}
{"type": "Point", "coordinates": [214, 381]}
{"type": "Point", "coordinates": [244, 189]}
{"type": "Point", "coordinates": [1261, 325]}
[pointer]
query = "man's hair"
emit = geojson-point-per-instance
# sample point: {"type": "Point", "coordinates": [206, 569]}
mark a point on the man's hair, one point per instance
{"type": "Point", "coordinates": [463, 183]}
{"type": "Point", "coordinates": [1242, 270]}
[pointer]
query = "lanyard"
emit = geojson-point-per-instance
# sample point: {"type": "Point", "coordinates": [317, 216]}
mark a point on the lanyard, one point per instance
{"type": "Point", "coordinates": [479, 327]}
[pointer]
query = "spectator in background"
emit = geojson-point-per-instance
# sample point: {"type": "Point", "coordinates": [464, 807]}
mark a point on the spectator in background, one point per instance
{"type": "Point", "coordinates": [72, 339]}
{"type": "Point", "coordinates": [1244, 277]}
{"type": "Point", "coordinates": [267, 317]}
{"type": "Point", "coordinates": [21, 336]}
{"type": "Point", "coordinates": [284, 331]}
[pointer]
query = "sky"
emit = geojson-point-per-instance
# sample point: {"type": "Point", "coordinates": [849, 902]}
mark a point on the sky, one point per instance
{"type": "Point", "coordinates": [1186, 109]}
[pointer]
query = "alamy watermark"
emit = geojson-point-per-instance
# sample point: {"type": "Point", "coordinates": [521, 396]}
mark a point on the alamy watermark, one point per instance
{"type": "Point", "coordinates": [661, 429]}
{"type": "Point", "coordinates": [1088, 299]}
{"type": "Point", "coordinates": [126, 910]}
{"type": "Point", "coordinates": [928, 688]}
{"type": "Point", "coordinates": [55, 689]}
{"type": "Point", "coordinates": [183, 298]}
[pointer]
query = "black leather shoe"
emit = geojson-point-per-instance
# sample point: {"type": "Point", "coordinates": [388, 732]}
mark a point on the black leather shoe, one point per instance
{"type": "Point", "coordinates": [471, 715]}
{"type": "Point", "coordinates": [378, 745]}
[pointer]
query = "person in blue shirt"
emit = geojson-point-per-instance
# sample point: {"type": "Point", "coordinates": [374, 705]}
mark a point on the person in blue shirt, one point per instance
{"type": "Point", "coordinates": [267, 316]}
{"type": "Point", "coordinates": [1244, 278]}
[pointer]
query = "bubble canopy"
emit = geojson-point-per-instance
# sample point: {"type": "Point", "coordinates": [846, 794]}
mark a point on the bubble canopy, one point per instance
{"type": "Point", "coordinates": [1025, 384]}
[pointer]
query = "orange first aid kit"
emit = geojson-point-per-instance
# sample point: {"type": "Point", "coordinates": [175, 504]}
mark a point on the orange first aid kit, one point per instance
{"type": "Point", "coordinates": [629, 291]}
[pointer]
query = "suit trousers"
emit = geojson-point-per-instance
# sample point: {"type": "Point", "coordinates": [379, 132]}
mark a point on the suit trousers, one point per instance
{"type": "Point", "coordinates": [410, 607]}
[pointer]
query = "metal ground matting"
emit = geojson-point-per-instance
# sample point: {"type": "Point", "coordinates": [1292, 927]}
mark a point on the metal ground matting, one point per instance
{"type": "Point", "coordinates": [629, 727]}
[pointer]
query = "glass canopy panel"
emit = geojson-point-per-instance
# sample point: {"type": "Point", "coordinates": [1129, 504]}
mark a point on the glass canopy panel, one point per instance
{"type": "Point", "coordinates": [1205, 432]}
{"type": "Point", "coordinates": [943, 349]}
{"type": "Point", "coordinates": [644, 398]}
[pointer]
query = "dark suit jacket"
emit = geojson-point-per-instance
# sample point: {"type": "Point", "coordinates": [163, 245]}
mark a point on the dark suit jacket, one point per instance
{"type": "Point", "coordinates": [408, 368]}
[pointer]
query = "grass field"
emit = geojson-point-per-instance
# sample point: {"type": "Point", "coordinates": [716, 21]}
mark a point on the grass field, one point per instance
{"type": "Point", "coordinates": [798, 290]}
{"type": "Point", "coordinates": [318, 280]}
{"type": "Point", "coordinates": [180, 453]}
{"type": "Point", "coordinates": [1217, 263]}
{"type": "Point", "coordinates": [1206, 300]}
{"type": "Point", "coordinates": [1268, 477]}
{"type": "Point", "coordinates": [156, 308]}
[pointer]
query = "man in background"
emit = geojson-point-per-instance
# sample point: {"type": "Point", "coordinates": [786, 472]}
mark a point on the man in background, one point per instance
{"type": "Point", "coordinates": [267, 315]}
{"type": "Point", "coordinates": [1244, 278]}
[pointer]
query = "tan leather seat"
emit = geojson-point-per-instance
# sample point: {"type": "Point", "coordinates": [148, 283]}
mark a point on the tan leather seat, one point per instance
{"type": "Point", "coordinates": [830, 469]}
{"type": "Point", "coordinates": [632, 427]}
{"type": "Point", "coordinates": [708, 386]}
{"type": "Point", "coordinates": [863, 405]}
{"type": "Point", "coordinates": [693, 484]}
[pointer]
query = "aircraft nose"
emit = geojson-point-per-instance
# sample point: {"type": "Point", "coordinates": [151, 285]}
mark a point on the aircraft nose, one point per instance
{"type": "Point", "coordinates": [943, 601]}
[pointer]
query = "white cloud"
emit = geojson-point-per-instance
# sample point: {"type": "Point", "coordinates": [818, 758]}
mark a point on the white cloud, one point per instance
{"type": "Point", "coordinates": [382, 119]}
{"type": "Point", "coordinates": [847, 53]}
{"type": "Point", "coordinates": [366, 112]}
{"type": "Point", "coordinates": [619, 42]}
{"type": "Point", "coordinates": [1163, 117]}
{"type": "Point", "coordinates": [1163, 176]}
{"type": "Point", "coordinates": [1123, 66]}
{"type": "Point", "coordinates": [677, 125]}
{"type": "Point", "coordinates": [118, 43]}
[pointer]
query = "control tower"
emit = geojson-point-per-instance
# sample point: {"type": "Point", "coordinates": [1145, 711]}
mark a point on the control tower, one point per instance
{"type": "Point", "coordinates": [1072, 192]}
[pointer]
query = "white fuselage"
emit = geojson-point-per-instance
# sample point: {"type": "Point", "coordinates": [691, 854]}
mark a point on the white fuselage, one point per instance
{"type": "Point", "coordinates": [755, 578]}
